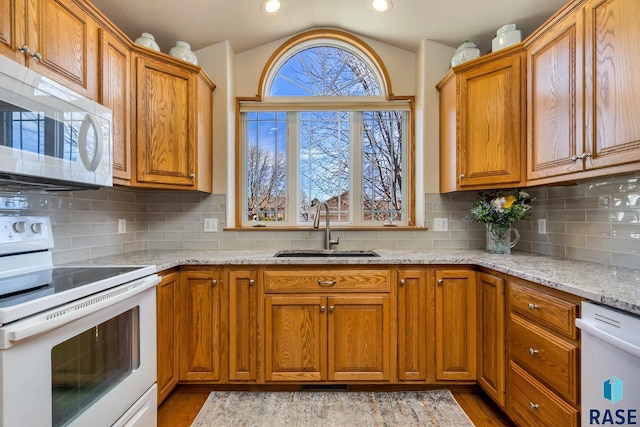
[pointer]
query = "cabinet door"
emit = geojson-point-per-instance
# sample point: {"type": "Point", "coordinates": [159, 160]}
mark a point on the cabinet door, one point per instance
{"type": "Point", "coordinates": [554, 101]}
{"type": "Point", "coordinates": [165, 124]}
{"type": "Point", "coordinates": [359, 338]}
{"type": "Point", "coordinates": [65, 39]}
{"type": "Point", "coordinates": [412, 325]}
{"type": "Point", "coordinates": [491, 143]}
{"type": "Point", "coordinates": [243, 324]}
{"type": "Point", "coordinates": [116, 95]}
{"type": "Point", "coordinates": [455, 301]}
{"type": "Point", "coordinates": [12, 29]}
{"type": "Point", "coordinates": [167, 334]}
{"type": "Point", "coordinates": [295, 338]}
{"type": "Point", "coordinates": [612, 60]}
{"type": "Point", "coordinates": [491, 336]}
{"type": "Point", "coordinates": [200, 317]}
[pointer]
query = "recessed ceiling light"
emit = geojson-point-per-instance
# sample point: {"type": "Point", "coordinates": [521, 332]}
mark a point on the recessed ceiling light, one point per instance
{"type": "Point", "coordinates": [381, 5]}
{"type": "Point", "coordinates": [271, 6]}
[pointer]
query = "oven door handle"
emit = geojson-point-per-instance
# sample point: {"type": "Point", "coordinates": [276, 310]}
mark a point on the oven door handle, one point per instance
{"type": "Point", "coordinates": [589, 328]}
{"type": "Point", "coordinates": [60, 316]}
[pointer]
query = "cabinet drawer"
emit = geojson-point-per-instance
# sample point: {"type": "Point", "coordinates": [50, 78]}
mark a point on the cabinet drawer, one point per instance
{"type": "Point", "coordinates": [532, 404]}
{"type": "Point", "coordinates": [327, 280]}
{"type": "Point", "coordinates": [549, 358]}
{"type": "Point", "coordinates": [550, 311]}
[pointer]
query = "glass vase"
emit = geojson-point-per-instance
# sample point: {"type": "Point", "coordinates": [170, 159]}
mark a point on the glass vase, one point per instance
{"type": "Point", "coordinates": [499, 238]}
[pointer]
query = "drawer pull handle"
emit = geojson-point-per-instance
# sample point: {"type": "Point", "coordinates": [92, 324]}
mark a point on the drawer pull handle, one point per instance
{"type": "Point", "coordinates": [402, 282]}
{"type": "Point", "coordinates": [533, 351]}
{"type": "Point", "coordinates": [214, 282]}
{"type": "Point", "coordinates": [323, 308]}
{"type": "Point", "coordinates": [533, 406]}
{"type": "Point", "coordinates": [326, 282]}
{"type": "Point", "coordinates": [533, 306]}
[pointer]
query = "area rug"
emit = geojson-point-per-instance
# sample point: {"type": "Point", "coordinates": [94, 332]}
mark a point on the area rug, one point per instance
{"type": "Point", "coordinates": [331, 408]}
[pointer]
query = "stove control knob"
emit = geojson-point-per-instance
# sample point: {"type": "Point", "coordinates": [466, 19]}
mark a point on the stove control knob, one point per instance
{"type": "Point", "coordinates": [36, 227]}
{"type": "Point", "coordinates": [20, 226]}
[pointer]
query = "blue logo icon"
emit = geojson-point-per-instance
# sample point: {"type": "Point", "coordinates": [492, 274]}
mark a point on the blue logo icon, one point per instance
{"type": "Point", "coordinates": [613, 389]}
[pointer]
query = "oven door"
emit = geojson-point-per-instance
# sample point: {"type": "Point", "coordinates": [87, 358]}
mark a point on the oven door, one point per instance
{"type": "Point", "coordinates": [85, 363]}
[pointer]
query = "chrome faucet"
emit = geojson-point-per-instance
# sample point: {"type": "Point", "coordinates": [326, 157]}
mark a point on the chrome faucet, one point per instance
{"type": "Point", "coordinates": [327, 229]}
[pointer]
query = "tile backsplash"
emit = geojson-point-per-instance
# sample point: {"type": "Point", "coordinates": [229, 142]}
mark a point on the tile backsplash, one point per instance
{"type": "Point", "coordinates": [596, 221]}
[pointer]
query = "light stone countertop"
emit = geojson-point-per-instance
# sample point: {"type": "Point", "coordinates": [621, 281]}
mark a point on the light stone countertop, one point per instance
{"type": "Point", "coordinates": [613, 286]}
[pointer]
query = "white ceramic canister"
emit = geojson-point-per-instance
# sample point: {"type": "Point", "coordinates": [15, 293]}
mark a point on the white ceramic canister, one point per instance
{"type": "Point", "coordinates": [182, 50]}
{"type": "Point", "coordinates": [147, 40]}
{"type": "Point", "coordinates": [465, 52]}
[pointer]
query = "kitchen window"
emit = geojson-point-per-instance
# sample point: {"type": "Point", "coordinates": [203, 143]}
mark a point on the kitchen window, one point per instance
{"type": "Point", "coordinates": [325, 131]}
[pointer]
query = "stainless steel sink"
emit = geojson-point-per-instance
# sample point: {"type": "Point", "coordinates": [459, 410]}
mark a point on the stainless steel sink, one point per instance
{"type": "Point", "coordinates": [322, 253]}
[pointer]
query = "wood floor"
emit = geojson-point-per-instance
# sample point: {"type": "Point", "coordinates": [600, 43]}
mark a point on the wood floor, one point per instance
{"type": "Point", "coordinates": [183, 405]}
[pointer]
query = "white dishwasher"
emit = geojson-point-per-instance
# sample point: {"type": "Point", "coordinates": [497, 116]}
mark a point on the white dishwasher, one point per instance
{"type": "Point", "coordinates": [610, 354]}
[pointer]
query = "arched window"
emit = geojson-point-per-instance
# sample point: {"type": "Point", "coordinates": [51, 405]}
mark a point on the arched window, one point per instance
{"type": "Point", "coordinates": [324, 128]}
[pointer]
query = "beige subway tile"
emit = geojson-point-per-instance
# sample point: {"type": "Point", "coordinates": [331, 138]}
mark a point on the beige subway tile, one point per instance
{"type": "Point", "coordinates": [629, 246]}
{"type": "Point", "coordinates": [590, 255]}
{"type": "Point", "coordinates": [566, 215]}
{"type": "Point", "coordinates": [567, 240]}
{"type": "Point", "coordinates": [588, 228]}
{"type": "Point", "coordinates": [626, 260]}
{"type": "Point", "coordinates": [547, 249]}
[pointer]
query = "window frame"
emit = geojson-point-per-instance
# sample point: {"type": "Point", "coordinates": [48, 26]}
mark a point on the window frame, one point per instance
{"type": "Point", "coordinates": [385, 101]}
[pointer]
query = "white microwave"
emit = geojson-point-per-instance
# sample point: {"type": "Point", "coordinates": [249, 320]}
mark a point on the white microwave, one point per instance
{"type": "Point", "coordinates": [51, 138]}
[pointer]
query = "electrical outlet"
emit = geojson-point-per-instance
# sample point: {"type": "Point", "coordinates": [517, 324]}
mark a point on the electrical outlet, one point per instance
{"type": "Point", "coordinates": [542, 226]}
{"type": "Point", "coordinates": [440, 224]}
{"type": "Point", "coordinates": [210, 225]}
{"type": "Point", "coordinates": [122, 226]}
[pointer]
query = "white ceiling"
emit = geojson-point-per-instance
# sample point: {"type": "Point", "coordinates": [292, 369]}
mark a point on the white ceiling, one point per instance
{"type": "Point", "coordinates": [242, 22]}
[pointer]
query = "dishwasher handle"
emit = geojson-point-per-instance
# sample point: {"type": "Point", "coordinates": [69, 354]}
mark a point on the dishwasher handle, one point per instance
{"type": "Point", "coordinates": [589, 328]}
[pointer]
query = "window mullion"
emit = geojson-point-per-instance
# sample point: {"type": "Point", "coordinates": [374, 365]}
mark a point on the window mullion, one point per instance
{"type": "Point", "coordinates": [293, 167]}
{"type": "Point", "coordinates": [356, 167]}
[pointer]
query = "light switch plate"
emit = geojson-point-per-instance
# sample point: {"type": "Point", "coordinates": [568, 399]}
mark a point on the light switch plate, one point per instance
{"type": "Point", "coordinates": [542, 226]}
{"type": "Point", "coordinates": [440, 224]}
{"type": "Point", "coordinates": [210, 225]}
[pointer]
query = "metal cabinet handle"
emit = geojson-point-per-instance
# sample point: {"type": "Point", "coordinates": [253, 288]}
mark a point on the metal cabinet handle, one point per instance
{"type": "Point", "coordinates": [532, 306]}
{"type": "Point", "coordinates": [533, 406]}
{"type": "Point", "coordinates": [37, 56]}
{"type": "Point", "coordinates": [326, 282]}
{"type": "Point", "coordinates": [323, 308]}
{"type": "Point", "coordinates": [585, 155]}
{"type": "Point", "coordinates": [402, 282]}
{"type": "Point", "coordinates": [533, 351]}
{"type": "Point", "coordinates": [192, 176]}
{"type": "Point", "coordinates": [441, 282]}
{"type": "Point", "coordinates": [461, 176]}
{"type": "Point", "coordinates": [331, 308]}
{"type": "Point", "coordinates": [214, 282]}
{"type": "Point", "coordinates": [252, 282]}
{"type": "Point", "coordinates": [24, 49]}
{"type": "Point", "coordinates": [575, 158]}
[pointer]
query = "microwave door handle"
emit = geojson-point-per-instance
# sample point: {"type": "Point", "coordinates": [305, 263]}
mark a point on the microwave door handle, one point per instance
{"type": "Point", "coordinates": [90, 160]}
{"type": "Point", "coordinates": [40, 324]}
{"type": "Point", "coordinates": [589, 328]}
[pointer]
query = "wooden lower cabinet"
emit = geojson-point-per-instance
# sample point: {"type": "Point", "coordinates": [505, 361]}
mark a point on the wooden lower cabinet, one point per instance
{"type": "Point", "coordinates": [244, 307]}
{"type": "Point", "coordinates": [414, 325]}
{"type": "Point", "coordinates": [543, 355]}
{"type": "Point", "coordinates": [201, 304]}
{"type": "Point", "coordinates": [327, 338]}
{"type": "Point", "coordinates": [167, 333]}
{"type": "Point", "coordinates": [491, 332]}
{"type": "Point", "coordinates": [455, 321]}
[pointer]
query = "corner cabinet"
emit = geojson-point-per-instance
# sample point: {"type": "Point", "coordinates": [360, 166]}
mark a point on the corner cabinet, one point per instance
{"type": "Point", "coordinates": [200, 321]}
{"type": "Point", "coordinates": [56, 38]}
{"type": "Point", "coordinates": [174, 111]}
{"type": "Point", "coordinates": [482, 122]}
{"type": "Point", "coordinates": [455, 321]}
{"type": "Point", "coordinates": [167, 333]}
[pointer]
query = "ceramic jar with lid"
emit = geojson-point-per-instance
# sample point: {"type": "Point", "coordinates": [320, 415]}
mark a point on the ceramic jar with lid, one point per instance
{"type": "Point", "coordinates": [147, 40]}
{"type": "Point", "coordinates": [465, 52]}
{"type": "Point", "coordinates": [506, 36]}
{"type": "Point", "coordinates": [182, 50]}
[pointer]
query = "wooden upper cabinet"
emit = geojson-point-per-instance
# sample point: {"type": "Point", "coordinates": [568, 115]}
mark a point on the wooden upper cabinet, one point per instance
{"type": "Point", "coordinates": [482, 123]}
{"type": "Point", "coordinates": [115, 94]}
{"type": "Point", "coordinates": [554, 99]}
{"type": "Point", "coordinates": [612, 59]}
{"type": "Point", "coordinates": [173, 117]}
{"type": "Point", "coordinates": [56, 38]}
